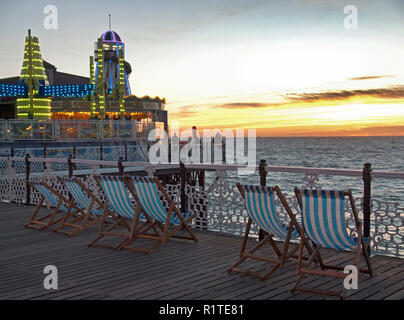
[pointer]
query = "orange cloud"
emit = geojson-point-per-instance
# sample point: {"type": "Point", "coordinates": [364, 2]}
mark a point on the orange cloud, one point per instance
{"type": "Point", "coordinates": [372, 77]}
{"type": "Point", "coordinates": [359, 112]}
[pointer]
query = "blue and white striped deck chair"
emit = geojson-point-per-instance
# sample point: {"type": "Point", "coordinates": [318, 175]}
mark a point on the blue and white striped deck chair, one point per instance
{"type": "Point", "coordinates": [85, 208]}
{"type": "Point", "coordinates": [53, 198]}
{"type": "Point", "coordinates": [260, 205]}
{"type": "Point", "coordinates": [323, 220]}
{"type": "Point", "coordinates": [146, 192]}
{"type": "Point", "coordinates": [120, 208]}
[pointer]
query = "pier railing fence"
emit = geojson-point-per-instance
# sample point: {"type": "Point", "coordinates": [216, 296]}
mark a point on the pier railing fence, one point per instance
{"type": "Point", "coordinates": [73, 130]}
{"type": "Point", "coordinates": [209, 191]}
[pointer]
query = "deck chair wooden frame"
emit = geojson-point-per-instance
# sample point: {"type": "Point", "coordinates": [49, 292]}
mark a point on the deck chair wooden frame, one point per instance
{"type": "Point", "coordinates": [51, 219]}
{"type": "Point", "coordinates": [162, 232]}
{"type": "Point", "coordinates": [78, 217]}
{"type": "Point", "coordinates": [283, 255]}
{"type": "Point", "coordinates": [121, 226]}
{"type": "Point", "coordinates": [328, 270]}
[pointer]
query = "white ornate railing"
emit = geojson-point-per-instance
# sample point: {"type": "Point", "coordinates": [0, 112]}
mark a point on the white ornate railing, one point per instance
{"type": "Point", "coordinates": [73, 130]}
{"type": "Point", "coordinates": [217, 202]}
{"type": "Point", "coordinates": [134, 151]}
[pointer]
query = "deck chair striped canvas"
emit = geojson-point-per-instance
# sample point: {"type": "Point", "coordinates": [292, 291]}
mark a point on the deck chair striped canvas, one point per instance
{"type": "Point", "coordinates": [146, 192]}
{"type": "Point", "coordinates": [55, 199]}
{"type": "Point", "coordinates": [323, 218]}
{"type": "Point", "coordinates": [260, 205]}
{"type": "Point", "coordinates": [84, 211]}
{"type": "Point", "coordinates": [120, 208]}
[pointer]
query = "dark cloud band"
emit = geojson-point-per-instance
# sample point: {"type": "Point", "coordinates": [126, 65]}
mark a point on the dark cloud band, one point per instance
{"type": "Point", "coordinates": [372, 77]}
{"type": "Point", "coordinates": [396, 92]}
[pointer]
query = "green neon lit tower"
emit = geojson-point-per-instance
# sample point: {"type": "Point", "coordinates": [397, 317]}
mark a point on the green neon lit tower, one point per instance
{"type": "Point", "coordinates": [121, 85]}
{"type": "Point", "coordinates": [100, 85]}
{"type": "Point", "coordinates": [33, 73]}
{"type": "Point", "coordinates": [92, 81]}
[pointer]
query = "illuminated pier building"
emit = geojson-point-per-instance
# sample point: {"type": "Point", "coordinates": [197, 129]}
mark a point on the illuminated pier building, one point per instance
{"type": "Point", "coordinates": [42, 92]}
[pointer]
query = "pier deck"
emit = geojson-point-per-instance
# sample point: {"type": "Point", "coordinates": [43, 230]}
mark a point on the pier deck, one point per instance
{"type": "Point", "coordinates": [177, 270]}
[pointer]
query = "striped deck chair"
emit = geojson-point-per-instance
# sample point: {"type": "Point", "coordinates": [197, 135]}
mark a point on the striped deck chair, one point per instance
{"type": "Point", "coordinates": [260, 205]}
{"type": "Point", "coordinates": [121, 209]}
{"type": "Point", "coordinates": [145, 191]}
{"type": "Point", "coordinates": [85, 209]}
{"type": "Point", "coordinates": [323, 218]}
{"type": "Point", "coordinates": [58, 201]}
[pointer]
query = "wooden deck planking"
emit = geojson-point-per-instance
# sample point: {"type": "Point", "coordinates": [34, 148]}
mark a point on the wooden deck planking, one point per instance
{"type": "Point", "coordinates": [176, 270]}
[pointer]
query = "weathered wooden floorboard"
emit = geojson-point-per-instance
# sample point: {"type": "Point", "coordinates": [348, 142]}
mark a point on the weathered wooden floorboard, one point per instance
{"type": "Point", "coordinates": [176, 270]}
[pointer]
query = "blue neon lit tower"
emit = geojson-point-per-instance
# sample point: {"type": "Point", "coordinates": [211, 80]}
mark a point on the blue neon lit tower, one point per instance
{"type": "Point", "coordinates": [113, 49]}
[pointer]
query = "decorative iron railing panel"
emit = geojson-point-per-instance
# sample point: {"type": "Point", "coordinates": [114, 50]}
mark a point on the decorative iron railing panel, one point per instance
{"type": "Point", "coordinates": [2, 129]}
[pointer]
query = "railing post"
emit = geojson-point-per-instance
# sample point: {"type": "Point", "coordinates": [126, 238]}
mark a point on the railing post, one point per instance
{"type": "Point", "coordinates": [204, 214]}
{"type": "Point", "coordinates": [224, 160]}
{"type": "Point", "coordinates": [53, 130]}
{"type": "Point", "coordinates": [263, 182]}
{"type": "Point", "coordinates": [7, 130]}
{"type": "Point", "coordinates": [56, 129]}
{"type": "Point", "coordinates": [44, 156]}
{"type": "Point", "coordinates": [120, 166]}
{"type": "Point", "coordinates": [27, 173]}
{"type": "Point", "coordinates": [148, 151]}
{"type": "Point", "coordinates": [101, 151]}
{"type": "Point", "coordinates": [99, 130]}
{"type": "Point", "coordinates": [70, 165]}
{"type": "Point", "coordinates": [183, 177]}
{"type": "Point", "coordinates": [367, 179]}
{"type": "Point", "coordinates": [169, 150]}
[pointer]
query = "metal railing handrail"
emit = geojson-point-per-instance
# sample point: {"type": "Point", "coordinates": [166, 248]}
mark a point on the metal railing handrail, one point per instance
{"type": "Point", "coordinates": [214, 167]}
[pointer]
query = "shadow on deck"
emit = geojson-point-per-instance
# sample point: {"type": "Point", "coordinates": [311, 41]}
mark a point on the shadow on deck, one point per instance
{"type": "Point", "coordinates": [177, 270]}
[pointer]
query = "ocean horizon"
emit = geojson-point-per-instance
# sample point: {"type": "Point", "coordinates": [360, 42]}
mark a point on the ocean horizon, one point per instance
{"type": "Point", "coordinates": [383, 153]}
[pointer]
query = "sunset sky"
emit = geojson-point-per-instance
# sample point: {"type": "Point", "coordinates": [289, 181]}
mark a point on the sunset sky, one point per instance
{"type": "Point", "coordinates": [286, 68]}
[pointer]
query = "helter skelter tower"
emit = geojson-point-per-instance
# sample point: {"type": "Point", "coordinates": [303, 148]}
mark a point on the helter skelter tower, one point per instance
{"type": "Point", "coordinates": [33, 75]}
{"type": "Point", "coordinates": [109, 72]}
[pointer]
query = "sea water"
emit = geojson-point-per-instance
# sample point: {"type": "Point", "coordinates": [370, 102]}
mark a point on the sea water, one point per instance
{"type": "Point", "coordinates": [384, 154]}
